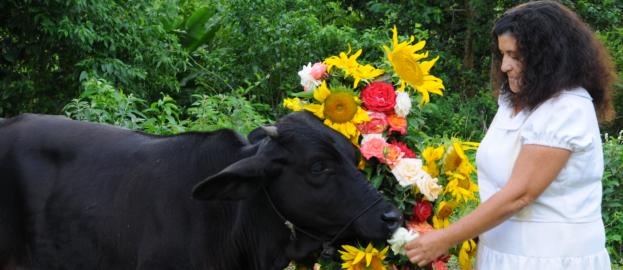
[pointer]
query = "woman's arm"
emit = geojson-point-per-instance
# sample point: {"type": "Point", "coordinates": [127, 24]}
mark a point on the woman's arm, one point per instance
{"type": "Point", "coordinates": [535, 168]}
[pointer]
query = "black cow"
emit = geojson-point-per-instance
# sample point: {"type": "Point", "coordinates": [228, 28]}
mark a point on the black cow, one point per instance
{"type": "Point", "coordinates": [77, 195]}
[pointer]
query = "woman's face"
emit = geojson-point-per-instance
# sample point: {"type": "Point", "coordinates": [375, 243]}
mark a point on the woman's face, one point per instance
{"type": "Point", "coordinates": [511, 60]}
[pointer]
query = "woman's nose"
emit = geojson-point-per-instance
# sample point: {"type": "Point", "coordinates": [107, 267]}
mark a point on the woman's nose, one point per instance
{"type": "Point", "coordinates": [506, 66]}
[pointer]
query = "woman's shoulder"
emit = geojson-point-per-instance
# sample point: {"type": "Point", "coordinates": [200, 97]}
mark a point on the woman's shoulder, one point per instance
{"type": "Point", "coordinates": [567, 120]}
{"type": "Point", "coordinates": [575, 96]}
{"type": "Point", "coordinates": [575, 99]}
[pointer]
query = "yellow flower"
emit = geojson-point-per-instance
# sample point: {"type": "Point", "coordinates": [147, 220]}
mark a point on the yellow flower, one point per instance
{"type": "Point", "coordinates": [467, 252]}
{"type": "Point", "coordinates": [431, 155]}
{"type": "Point", "coordinates": [457, 160]}
{"type": "Point", "coordinates": [353, 258]}
{"type": "Point", "coordinates": [404, 60]}
{"type": "Point", "coordinates": [340, 110]}
{"type": "Point", "coordinates": [442, 218]}
{"type": "Point", "coordinates": [461, 187]}
{"type": "Point", "coordinates": [294, 104]}
{"type": "Point", "coordinates": [351, 67]}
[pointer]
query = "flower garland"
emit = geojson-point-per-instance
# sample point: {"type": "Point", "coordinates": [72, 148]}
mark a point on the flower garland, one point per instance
{"type": "Point", "coordinates": [374, 116]}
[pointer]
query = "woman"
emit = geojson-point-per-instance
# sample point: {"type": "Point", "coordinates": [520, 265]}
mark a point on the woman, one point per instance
{"type": "Point", "coordinates": [540, 163]}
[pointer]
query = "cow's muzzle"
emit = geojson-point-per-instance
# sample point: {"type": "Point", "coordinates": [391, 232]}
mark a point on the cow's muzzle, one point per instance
{"type": "Point", "coordinates": [328, 250]}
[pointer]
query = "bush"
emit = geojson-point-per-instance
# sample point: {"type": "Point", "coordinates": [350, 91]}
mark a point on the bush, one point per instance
{"type": "Point", "coordinates": [100, 102]}
{"type": "Point", "coordinates": [612, 207]}
{"type": "Point", "coordinates": [458, 116]}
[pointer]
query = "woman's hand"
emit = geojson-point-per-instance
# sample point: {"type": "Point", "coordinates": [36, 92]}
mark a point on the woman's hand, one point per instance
{"type": "Point", "coordinates": [427, 247]}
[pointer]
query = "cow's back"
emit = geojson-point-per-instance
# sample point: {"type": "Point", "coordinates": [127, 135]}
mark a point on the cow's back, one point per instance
{"type": "Point", "coordinates": [97, 194]}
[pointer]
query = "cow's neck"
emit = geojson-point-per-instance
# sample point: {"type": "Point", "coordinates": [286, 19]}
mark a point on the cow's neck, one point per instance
{"type": "Point", "coordinates": [265, 239]}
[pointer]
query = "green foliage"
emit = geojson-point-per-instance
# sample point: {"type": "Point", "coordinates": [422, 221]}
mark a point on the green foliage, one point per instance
{"type": "Point", "coordinates": [163, 117]}
{"type": "Point", "coordinates": [612, 207]}
{"type": "Point", "coordinates": [461, 117]}
{"type": "Point", "coordinates": [228, 111]}
{"type": "Point", "coordinates": [100, 102]}
{"type": "Point", "coordinates": [200, 27]}
{"type": "Point", "coordinates": [46, 45]}
{"type": "Point", "coordinates": [613, 40]}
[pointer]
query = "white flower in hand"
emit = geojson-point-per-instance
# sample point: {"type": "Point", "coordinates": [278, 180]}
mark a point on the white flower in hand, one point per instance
{"type": "Point", "coordinates": [400, 238]}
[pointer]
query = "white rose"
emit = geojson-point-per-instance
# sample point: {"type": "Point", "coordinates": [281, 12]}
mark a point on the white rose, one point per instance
{"type": "Point", "coordinates": [307, 80]}
{"type": "Point", "coordinates": [429, 187]}
{"type": "Point", "coordinates": [400, 238]}
{"type": "Point", "coordinates": [407, 171]}
{"type": "Point", "coordinates": [403, 104]}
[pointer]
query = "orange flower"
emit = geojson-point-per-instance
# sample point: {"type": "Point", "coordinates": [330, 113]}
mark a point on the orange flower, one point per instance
{"type": "Point", "coordinates": [397, 124]}
{"type": "Point", "coordinates": [392, 154]}
{"type": "Point", "coordinates": [420, 227]}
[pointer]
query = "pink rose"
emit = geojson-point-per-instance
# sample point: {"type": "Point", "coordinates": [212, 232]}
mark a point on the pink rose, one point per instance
{"type": "Point", "coordinates": [379, 97]}
{"type": "Point", "coordinates": [408, 153]}
{"type": "Point", "coordinates": [377, 123]}
{"type": "Point", "coordinates": [373, 148]}
{"type": "Point", "coordinates": [397, 124]}
{"type": "Point", "coordinates": [318, 71]}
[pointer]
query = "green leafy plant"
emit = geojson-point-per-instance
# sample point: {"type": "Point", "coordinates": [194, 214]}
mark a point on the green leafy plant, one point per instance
{"type": "Point", "coordinates": [612, 205]}
{"type": "Point", "coordinates": [100, 102]}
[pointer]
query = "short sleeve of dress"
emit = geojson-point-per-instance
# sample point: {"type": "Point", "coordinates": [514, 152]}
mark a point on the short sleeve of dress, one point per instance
{"type": "Point", "coordinates": [562, 122]}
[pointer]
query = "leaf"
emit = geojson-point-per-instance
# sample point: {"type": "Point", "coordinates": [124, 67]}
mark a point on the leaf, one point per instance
{"type": "Point", "coordinates": [377, 180]}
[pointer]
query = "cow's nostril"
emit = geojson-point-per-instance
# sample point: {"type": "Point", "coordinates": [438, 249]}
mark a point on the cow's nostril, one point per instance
{"type": "Point", "coordinates": [392, 218]}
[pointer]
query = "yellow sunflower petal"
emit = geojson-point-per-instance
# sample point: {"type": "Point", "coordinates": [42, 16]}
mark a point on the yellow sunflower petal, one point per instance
{"type": "Point", "coordinates": [322, 92]}
{"type": "Point", "coordinates": [427, 65]}
{"type": "Point", "coordinates": [359, 257]}
{"type": "Point", "coordinates": [316, 109]}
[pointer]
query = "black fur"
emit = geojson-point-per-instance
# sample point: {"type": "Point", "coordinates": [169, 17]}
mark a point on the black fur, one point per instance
{"type": "Point", "coordinates": [76, 195]}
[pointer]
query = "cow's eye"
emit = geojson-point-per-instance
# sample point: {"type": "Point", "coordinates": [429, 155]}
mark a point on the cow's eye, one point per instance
{"type": "Point", "coordinates": [318, 167]}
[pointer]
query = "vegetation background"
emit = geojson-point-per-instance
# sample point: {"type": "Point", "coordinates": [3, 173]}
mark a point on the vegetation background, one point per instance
{"type": "Point", "coordinates": [168, 66]}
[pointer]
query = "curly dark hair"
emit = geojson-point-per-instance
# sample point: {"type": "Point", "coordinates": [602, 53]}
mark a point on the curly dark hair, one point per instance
{"type": "Point", "coordinates": [558, 51]}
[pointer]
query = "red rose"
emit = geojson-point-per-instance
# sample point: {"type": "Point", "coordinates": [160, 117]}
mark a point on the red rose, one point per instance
{"type": "Point", "coordinates": [422, 211]}
{"type": "Point", "coordinates": [379, 97]}
{"type": "Point", "coordinates": [405, 149]}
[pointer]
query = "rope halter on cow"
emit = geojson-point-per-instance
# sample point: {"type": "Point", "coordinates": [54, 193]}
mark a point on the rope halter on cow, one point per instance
{"type": "Point", "coordinates": [328, 251]}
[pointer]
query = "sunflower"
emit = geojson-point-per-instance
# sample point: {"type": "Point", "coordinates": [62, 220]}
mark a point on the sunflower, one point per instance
{"type": "Point", "coordinates": [351, 67]}
{"type": "Point", "coordinates": [294, 104]}
{"type": "Point", "coordinates": [457, 160]}
{"type": "Point", "coordinates": [442, 218]}
{"type": "Point", "coordinates": [461, 187]}
{"type": "Point", "coordinates": [467, 252]}
{"type": "Point", "coordinates": [404, 60]}
{"type": "Point", "coordinates": [353, 258]}
{"type": "Point", "coordinates": [431, 156]}
{"type": "Point", "coordinates": [340, 110]}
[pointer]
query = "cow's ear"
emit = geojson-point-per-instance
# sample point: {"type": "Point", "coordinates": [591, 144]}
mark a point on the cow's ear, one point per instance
{"type": "Point", "coordinates": [237, 181]}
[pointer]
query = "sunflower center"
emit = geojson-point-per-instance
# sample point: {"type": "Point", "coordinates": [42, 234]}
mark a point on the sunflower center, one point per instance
{"type": "Point", "coordinates": [453, 161]}
{"type": "Point", "coordinates": [340, 107]}
{"type": "Point", "coordinates": [464, 183]}
{"type": "Point", "coordinates": [445, 211]}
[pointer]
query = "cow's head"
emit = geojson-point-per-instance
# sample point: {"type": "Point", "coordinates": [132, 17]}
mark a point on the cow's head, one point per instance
{"type": "Point", "coordinates": [310, 174]}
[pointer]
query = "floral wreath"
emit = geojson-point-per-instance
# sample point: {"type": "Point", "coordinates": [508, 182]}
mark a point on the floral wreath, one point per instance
{"type": "Point", "coordinates": [373, 113]}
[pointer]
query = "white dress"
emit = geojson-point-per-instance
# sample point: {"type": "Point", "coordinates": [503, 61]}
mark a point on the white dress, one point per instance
{"type": "Point", "coordinates": [562, 228]}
